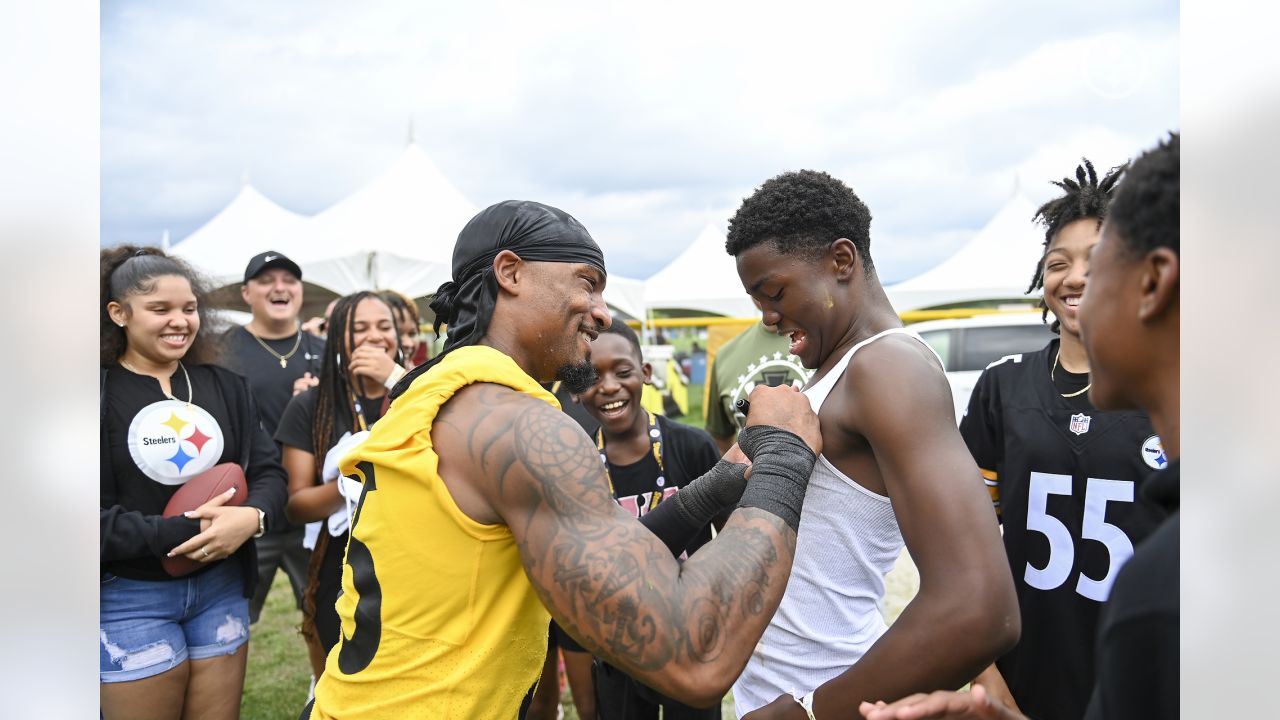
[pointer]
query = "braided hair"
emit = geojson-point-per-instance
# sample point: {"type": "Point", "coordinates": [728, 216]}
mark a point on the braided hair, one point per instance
{"type": "Point", "coordinates": [336, 389]}
{"type": "Point", "coordinates": [1082, 198]}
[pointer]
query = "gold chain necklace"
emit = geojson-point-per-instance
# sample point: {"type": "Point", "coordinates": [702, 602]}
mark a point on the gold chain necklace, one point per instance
{"type": "Point", "coordinates": [190, 393]}
{"type": "Point", "coordinates": [1081, 391]}
{"type": "Point", "coordinates": [284, 359]}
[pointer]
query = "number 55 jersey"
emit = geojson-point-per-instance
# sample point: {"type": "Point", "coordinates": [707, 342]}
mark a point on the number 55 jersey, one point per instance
{"type": "Point", "coordinates": [1066, 480]}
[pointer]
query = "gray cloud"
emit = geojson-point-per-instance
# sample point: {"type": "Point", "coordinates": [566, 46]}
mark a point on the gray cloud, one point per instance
{"type": "Point", "coordinates": [645, 124]}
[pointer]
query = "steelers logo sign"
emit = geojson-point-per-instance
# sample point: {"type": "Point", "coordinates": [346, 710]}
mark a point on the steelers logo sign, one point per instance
{"type": "Point", "coordinates": [172, 442]}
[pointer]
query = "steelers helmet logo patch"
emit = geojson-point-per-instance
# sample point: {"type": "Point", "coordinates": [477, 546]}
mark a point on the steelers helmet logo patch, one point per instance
{"type": "Point", "coordinates": [1153, 453]}
{"type": "Point", "coordinates": [172, 442]}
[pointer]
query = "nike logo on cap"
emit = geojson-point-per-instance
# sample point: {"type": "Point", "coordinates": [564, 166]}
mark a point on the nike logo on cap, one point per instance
{"type": "Point", "coordinates": [269, 258]}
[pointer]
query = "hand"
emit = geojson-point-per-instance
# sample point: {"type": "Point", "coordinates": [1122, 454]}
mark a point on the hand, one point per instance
{"type": "Point", "coordinates": [785, 707]}
{"type": "Point", "coordinates": [737, 457]}
{"type": "Point", "coordinates": [315, 326]}
{"type": "Point", "coordinates": [996, 688]}
{"type": "Point", "coordinates": [306, 381]}
{"type": "Point", "coordinates": [940, 705]}
{"type": "Point", "coordinates": [222, 530]}
{"type": "Point", "coordinates": [371, 361]}
{"type": "Point", "coordinates": [787, 408]}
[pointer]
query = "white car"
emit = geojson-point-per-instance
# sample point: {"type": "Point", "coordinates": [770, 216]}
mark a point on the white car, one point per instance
{"type": "Point", "coordinates": [968, 345]}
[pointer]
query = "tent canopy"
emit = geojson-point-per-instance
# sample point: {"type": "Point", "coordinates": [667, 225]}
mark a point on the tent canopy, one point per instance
{"type": "Point", "coordinates": [996, 264]}
{"type": "Point", "coordinates": [251, 223]}
{"type": "Point", "coordinates": [703, 277]}
{"type": "Point", "coordinates": [397, 232]}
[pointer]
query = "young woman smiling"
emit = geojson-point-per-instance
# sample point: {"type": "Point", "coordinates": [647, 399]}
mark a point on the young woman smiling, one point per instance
{"type": "Point", "coordinates": [173, 646]}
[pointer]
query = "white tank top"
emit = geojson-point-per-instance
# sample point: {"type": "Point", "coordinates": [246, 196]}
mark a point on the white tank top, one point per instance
{"type": "Point", "coordinates": [830, 613]}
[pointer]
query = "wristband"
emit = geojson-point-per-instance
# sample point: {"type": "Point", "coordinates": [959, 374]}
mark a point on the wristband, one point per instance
{"type": "Point", "coordinates": [720, 487]}
{"type": "Point", "coordinates": [806, 702]}
{"type": "Point", "coordinates": [397, 372]}
{"type": "Point", "coordinates": [782, 466]}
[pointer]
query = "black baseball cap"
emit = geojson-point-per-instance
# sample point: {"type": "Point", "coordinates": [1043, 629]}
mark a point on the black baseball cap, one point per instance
{"type": "Point", "coordinates": [266, 261]}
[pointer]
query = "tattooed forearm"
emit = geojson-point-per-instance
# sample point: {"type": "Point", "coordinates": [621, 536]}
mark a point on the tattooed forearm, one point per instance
{"type": "Point", "coordinates": [686, 630]}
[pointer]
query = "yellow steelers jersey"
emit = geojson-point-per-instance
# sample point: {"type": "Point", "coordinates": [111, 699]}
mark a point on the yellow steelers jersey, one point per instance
{"type": "Point", "coordinates": [438, 618]}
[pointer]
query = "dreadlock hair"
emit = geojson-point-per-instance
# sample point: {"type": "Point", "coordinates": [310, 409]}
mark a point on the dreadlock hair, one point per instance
{"type": "Point", "coordinates": [624, 331]}
{"type": "Point", "coordinates": [336, 389]}
{"type": "Point", "coordinates": [128, 270]}
{"type": "Point", "coordinates": [1144, 213]}
{"type": "Point", "coordinates": [802, 212]}
{"type": "Point", "coordinates": [1085, 197]}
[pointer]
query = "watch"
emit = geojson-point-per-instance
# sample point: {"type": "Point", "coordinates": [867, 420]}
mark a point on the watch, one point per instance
{"type": "Point", "coordinates": [262, 523]}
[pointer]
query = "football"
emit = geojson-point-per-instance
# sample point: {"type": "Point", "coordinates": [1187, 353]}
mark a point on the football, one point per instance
{"type": "Point", "coordinates": [196, 492]}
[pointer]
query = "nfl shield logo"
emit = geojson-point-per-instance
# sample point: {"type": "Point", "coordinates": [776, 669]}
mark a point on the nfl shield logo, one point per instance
{"type": "Point", "coordinates": [1080, 423]}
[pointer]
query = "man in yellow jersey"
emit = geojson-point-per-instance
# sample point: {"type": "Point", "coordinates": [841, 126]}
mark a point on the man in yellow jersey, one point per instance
{"type": "Point", "coordinates": [484, 507]}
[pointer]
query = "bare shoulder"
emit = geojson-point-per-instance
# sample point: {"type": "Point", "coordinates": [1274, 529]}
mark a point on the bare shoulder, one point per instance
{"type": "Point", "coordinates": [896, 381]}
{"type": "Point", "coordinates": [502, 441]}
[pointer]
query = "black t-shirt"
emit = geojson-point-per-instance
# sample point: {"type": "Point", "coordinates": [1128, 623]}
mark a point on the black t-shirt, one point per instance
{"type": "Point", "coordinates": [153, 445]}
{"type": "Point", "coordinates": [687, 453]}
{"type": "Point", "coordinates": [1138, 649]}
{"type": "Point", "coordinates": [1069, 479]}
{"type": "Point", "coordinates": [299, 417]}
{"type": "Point", "coordinates": [272, 385]}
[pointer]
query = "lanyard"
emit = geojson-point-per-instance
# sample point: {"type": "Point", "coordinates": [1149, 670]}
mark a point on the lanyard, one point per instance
{"type": "Point", "coordinates": [655, 445]}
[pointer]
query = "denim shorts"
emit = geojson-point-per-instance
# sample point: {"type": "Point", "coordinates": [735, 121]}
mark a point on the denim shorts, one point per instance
{"type": "Point", "coordinates": [147, 627]}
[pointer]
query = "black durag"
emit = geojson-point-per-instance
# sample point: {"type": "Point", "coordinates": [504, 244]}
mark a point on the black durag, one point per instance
{"type": "Point", "coordinates": [535, 232]}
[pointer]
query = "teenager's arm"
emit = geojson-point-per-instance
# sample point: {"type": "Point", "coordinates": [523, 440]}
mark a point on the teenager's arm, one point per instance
{"type": "Point", "coordinates": [966, 613]}
{"type": "Point", "coordinates": [687, 629]}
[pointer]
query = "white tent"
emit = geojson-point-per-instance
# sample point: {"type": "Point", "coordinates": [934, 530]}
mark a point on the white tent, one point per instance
{"type": "Point", "coordinates": [248, 225]}
{"type": "Point", "coordinates": [996, 264]}
{"type": "Point", "coordinates": [396, 232]}
{"type": "Point", "coordinates": [703, 277]}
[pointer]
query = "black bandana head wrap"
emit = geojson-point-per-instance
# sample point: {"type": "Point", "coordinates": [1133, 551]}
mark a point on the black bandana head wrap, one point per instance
{"type": "Point", "coordinates": [535, 232]}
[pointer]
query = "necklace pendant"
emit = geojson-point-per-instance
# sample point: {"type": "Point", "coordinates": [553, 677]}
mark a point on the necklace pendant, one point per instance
{"type": "Point", "coordinates": [284, 363]}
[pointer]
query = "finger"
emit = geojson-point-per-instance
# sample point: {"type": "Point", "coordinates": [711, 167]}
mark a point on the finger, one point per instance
{"type": "Point", "coordinates": [195, 543]}
{"type": "Point", "coordinates": [205, 513]}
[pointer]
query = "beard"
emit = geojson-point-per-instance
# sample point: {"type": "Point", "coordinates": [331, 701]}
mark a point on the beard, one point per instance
{"type": "Point", "coordinates": [577, 378]}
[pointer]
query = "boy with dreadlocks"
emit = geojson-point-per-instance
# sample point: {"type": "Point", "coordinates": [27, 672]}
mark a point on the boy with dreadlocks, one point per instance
{"type": "Point", "coordinates": [1063, 475]}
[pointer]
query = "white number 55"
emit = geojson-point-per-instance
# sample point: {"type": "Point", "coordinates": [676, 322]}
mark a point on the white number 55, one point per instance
{"type": "Point", "coordinates": [1098, 492]}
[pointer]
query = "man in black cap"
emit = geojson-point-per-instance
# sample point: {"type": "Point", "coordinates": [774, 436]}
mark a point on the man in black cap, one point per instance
{"type": "Point", "coordinates": [484, 506]}
{"type": "Point", "coordinates": [279, 361]}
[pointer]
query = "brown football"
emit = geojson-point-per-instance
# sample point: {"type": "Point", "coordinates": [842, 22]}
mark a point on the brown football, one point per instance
{"type": "Point", "coordinates": [196, 492]}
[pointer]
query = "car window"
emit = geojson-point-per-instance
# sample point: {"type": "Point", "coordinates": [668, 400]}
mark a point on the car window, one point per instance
{"type": "Point", "coordinates": [981, 346]}
{"type": "Point", "coordinates": [940, 341]}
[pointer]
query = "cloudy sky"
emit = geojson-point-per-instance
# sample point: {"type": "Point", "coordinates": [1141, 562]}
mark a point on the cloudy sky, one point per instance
{"type": "Point", "coordinates": [646, 121]}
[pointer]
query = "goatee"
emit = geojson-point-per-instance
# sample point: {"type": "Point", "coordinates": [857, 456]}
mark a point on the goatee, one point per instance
{"type": "Point", "coordinates": [577, 378]}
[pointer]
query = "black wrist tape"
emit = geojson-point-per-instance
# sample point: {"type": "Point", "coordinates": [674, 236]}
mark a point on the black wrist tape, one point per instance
{"type": "Point", "coordinates": [677, 521]}
{"type": "Point", "coordinates": [781, 466]}
{"type": "Point", "coordinates": [720, 487]}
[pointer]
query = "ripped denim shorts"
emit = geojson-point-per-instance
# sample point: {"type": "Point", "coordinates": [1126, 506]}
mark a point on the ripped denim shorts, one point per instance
{"type": "Point", "coordinates": [147, 627]}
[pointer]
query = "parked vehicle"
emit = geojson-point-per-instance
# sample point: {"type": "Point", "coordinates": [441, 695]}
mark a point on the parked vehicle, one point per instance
{"type": "Point", "coordinates": [968, 345]}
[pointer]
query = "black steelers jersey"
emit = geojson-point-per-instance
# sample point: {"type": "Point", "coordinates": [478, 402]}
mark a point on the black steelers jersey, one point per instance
{"type": "Point", "coordinates": [1066, 479]}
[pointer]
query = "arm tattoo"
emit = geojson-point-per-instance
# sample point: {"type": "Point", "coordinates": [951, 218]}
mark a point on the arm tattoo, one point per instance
{"type": "Point", "coordinates": [606, 578]}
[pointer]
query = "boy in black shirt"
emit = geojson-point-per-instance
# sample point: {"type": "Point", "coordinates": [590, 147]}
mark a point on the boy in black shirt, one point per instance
{"type": "Point", "coordinates": [647, 459]}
